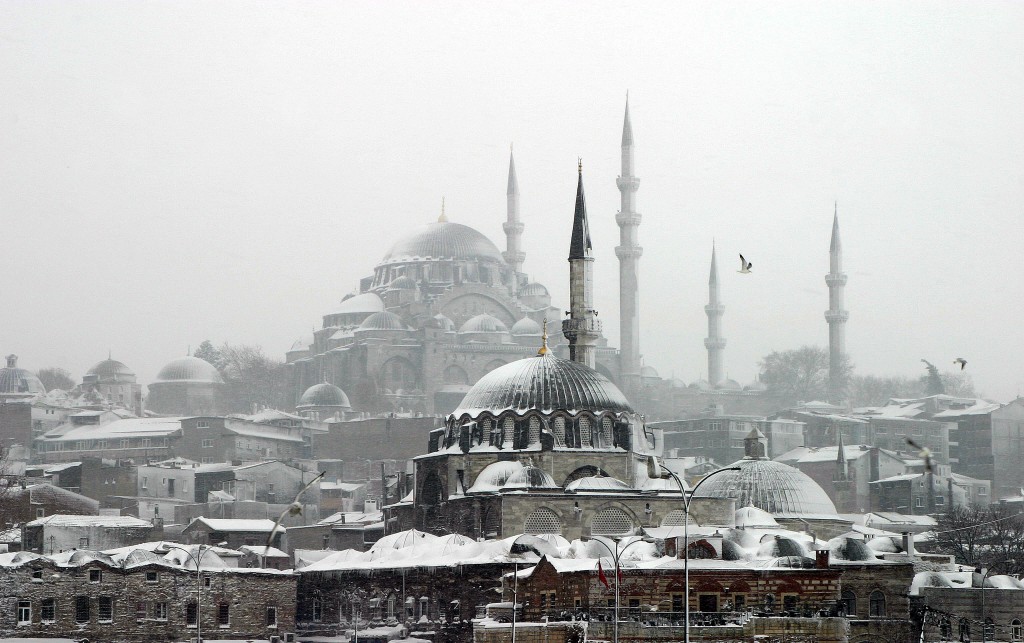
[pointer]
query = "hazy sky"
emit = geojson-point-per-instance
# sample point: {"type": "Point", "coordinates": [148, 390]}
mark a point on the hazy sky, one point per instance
{"type": "Point", "coordinates": [174, 171]}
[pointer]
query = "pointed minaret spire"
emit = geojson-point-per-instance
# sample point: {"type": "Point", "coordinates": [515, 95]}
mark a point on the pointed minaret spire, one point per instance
{"type": "Point", "coordinates": [629, 252]}
{"type": "Point", "coordinates": [444, 217]}
{"type": "Point", "coordinates": [714, 342]}
{"type": "Point", "coordinates": [836, 315]}
{"type": "Point", "coordinates": [513, 226]}
{"type": "Point", "coordinates": [582, 329]}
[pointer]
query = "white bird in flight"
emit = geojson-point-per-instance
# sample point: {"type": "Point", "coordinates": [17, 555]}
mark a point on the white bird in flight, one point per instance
{"type": "Point", "coordinates": [924, 452]}
{"type": "Point", "coordinates": [961, 361]}
{"type": "Point", "coordinates": [745, 266]}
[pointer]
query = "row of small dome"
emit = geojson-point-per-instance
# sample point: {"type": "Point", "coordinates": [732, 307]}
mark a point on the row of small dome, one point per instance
{"type": "Point", "coordinates": [384, 320]}
{"type": "Point", "coordinates": [14, 380]}
{"type": "Point", "coordinates": [512, 475]}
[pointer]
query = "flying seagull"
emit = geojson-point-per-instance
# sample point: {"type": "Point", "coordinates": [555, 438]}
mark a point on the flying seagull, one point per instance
{"type": "Point", "coordinates": [293, 509]}
{"type": "Point", "coordinates": [961, 361]}
{"type": "Point", "coordinates": [923, 452]}
{"type": "Point", "coordinates": [745, 266]}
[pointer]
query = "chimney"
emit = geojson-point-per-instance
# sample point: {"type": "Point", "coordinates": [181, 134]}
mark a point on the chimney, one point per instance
{"type": "Point", "coordinates": [908, 544]}
{"type": "Point", "coordinates": [821, 558]}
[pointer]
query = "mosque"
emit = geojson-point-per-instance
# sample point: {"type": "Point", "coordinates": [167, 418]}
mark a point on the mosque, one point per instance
{"type": "Point", "coordinates": [444, 307]}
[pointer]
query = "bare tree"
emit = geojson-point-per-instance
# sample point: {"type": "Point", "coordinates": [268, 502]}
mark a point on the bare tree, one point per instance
{"type": "Point", "coordinates": [871, 390]}
{"type": "Point", "coordinates": [991, 537]}
{"type": "Point", "coordinates": [254, 380]}
{"type": "Point", "coordinates": [803, 374]}
{"type": "Point", "coordinates": [958, 383]}
{"type": "Point", "coordinates": [55, 377]}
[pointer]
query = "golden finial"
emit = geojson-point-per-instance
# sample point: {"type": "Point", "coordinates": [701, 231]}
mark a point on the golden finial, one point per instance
{"type": "Point", "coordinates": [443, 218]}
{"type": "Point", "coordinates": [544, 340]}
{"type": "Point", "coordinates": [580, 165]}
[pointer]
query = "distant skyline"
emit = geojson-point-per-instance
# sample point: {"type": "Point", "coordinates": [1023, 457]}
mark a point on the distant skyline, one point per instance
{"type": "Point", "coordinates": [174, 172]}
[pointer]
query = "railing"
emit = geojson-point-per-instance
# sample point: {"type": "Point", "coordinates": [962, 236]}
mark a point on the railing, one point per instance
{"type": "Point", "coordinates": [649, 618]}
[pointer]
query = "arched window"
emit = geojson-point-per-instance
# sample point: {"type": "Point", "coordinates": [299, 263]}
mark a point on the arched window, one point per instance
{"type": "Point", "coordinates": [1016, 630]}
{"type": "Point", "coordinates": [611, 522]}
{"type": "Point", "coordinates": [542, 521]}
{"type": "Point", "coordinates": [849, 603]}
{"type": "Point", "coordinates": [675, 518]}
{"type": "Point", "coordinates": [558, 427]}
{"type": "Point", "coordinates": [876, 604]}
{"type": "Point", "coordinates": [572, 433]}
{"type": "Point", "coordinates": [585, 424]}
{"type": "Point", "coordinates": [534, 430]}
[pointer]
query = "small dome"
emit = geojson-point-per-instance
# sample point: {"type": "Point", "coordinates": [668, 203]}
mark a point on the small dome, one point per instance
{"type": "Point", "coordinates": [324, 394]}
{"type": "Point", "coordinates": [18, 380]}
{"type": "Point", "coordinates": [545, 383]}
{"type": "Point", "coordinates": [109, 369]}
{"type": "Point", "coordinates": [597, 483]}
{"type": "Point", "coordinates": [677, 383]}
{"type": "Point", "coordinates": [648, 371]}
{"type": "Point", "coordinates": [752, 517]}
{"type": "Point", "coordinates": [772, 486]}
{"type": "Point", "coordinates": [729, 385]}
{"type": "Point", "coordinates": [533, 289]}
{"type": "Point", "coordinates": [663, 486]}
{"type": "Point", "coordinates": [442, 322]}
{"type": "Point", "coordinates": [366, 303]}
{"type": "Point", "coordinates": [402, 283]}
{"type": "Point", "coordinates": [483, 323]}
{"type": "Point", "coordinates": [526, 326]}
{"type": "Point", "coordinates": [530, 477]}
{"type": "Point", "coordinates": [494, 476]}
{"type": "Point", "coordinates": [189, 369]}
{"type": "Point", "coordinates": [443, 240]}
{"type": "Point", "coordinates": [384, 320]}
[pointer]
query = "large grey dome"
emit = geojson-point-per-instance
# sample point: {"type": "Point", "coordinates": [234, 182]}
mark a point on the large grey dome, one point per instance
{"type": "Point", "coordinates": [111, 370]}
{"type": "Point", "coordinates": [189, 369]}
{"type": "Point", "coordinates": [18, 380]}
{"type": "Point", "coordinates": [384, 320]}
{"type": "Point", "coordinates": [324, 394]}
{"type": "Point", "coordinates": [443, 240]}
{"type": "Point", "coordinates": [777, 488]}
{"type": "Point", "coordinates": [544, 383]}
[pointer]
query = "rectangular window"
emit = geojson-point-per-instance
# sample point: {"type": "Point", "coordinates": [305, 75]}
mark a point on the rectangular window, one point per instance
{"type": "Point", "coordinates": [105, 609]}
{"type": "Point", "coordinates": [81, 609]}
{"type": "Point", "coordinates": [271, 617]}
{"type": "Point", "coordinates": [24, 612]}
{"type": "Point", "coordinates": [982, 491]}
{"type": "Point", "coordinates": [101, 444]}
{"type": "Point", "coordinates": [207, 460]}
{"type": "Point", "coordinates": [184, 486]}
{"type": "Point", "coordinates": [95, 575]}
{"type": "Point", "coordinates": [202, 424]}
{"type": "Point", "coordinates": [140, 611]}
{"type": "Point", "coordinates": [147, 443]}
{"type": "Point", "coordinates": [207, 443]}
{"type": "Point", "coordinates": [160, 611]}
{"type": "Point", "coordinates": [124, 444]}
{"type": "Point", "coordinates": [940, 501]}
{"type": "Point", "coordinates": [48, 613]}
{"type": "Point", "coordinates": [207, 581]}
{"type": "Point", "coordinates": [190, 614]}
{"type": "Point", "coordinates": [223, 615]}
{"type": "Point", "coordinates": [37, 574]}
{"type": "Point", "coordinates": [40, 513]}
{"type": "Point", "coordinates": [145, 482]}
{"type": "Point", "coordinates": [152, 577]}
{"type": "Point", "coordinates": [919, 502]}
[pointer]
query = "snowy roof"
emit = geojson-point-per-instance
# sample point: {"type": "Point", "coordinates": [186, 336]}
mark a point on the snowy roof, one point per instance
{"type": "Point", "coordinates": [127, 428]}
{"type": "Point", "coordinates": [823, 454]}
{"type": "Point", "coordinates": [270, 431]}
{"type": "Point", "coordinates": [602, 484]}
{"type": "Point", "coordinates": [341, 486]}
{"type": "Point", "coordinates": [980, 407]}
{"type": "Point", "coordinates": [900, 478]}
{"type": "Point", "coordinates": [66, 520]}
{"type": "Point", "coordinates": [263, 550]}
{"type": "Point", "coordinates": [237, 524]}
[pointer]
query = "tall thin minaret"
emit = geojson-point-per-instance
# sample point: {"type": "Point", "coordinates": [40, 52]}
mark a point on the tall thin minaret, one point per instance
{"type": "Point", "coordinates": [714, 342]}
{"type": "Point", "coordinates": [836, 315]}
{"type": "Point", "coordinates": [629, 251]}
{"type": "Point", "coordinates": [513, 226]}
{"type": "Point", "coordinates": [582, 329]}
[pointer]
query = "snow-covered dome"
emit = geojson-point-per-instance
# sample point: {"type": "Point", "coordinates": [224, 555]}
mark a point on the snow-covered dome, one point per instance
{"type": "Point", "coordinates": [189, 369]}
{"type": "Point", "coordinates": [677, 383]}
{"type": "Point", "coordinates": [729, 385]}
{"type": "Point", "coordinates": [530, 477]}
{"type": "Point", "coordinates": [18, 380]}
{"type": "Point", "coordinates": [597, 484]}
{"type": "Point", "coordinates": [752, 517]}
{"type": "Point", "coordinates": [546, 383]}
{"type": "Point", "coordinates": [384, 320]}
{"type": "Point", "coordinates": [663, 486]}
{"type": "Point", "coordinates": [648, 371]}
{"type": "Point", "coordinates": [533, 289]}
{"type": "Point", "coordinates": [442, 322]}
{"type": "Point", "coordinates": [110, 370]}
{"type": "Point", "coordinates": [324, 394]}
{"type": "Point", "coordinates": [483, 323]}
{"type": "Point", "coordinates": [526, 326]}
{"type": "Point", "coordinates": [443, 240]}
{"type": "Point", "coordinates": [402, 283]}
{"type": "Point", "coordinates": [494, 476]}
{"type": "Point", "coordinates": [365, 303]}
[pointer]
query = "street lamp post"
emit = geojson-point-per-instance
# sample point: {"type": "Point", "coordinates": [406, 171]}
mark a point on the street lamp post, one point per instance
{"type": "Point", "coordinates": [197, 559]}
{"type": "Point", "coordinates": [686, 537]}
{"type": "Point", "coordinates": [616, 557]}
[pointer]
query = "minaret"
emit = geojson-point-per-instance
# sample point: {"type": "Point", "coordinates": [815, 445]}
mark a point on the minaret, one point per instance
{"type": "Point", "coordinates": [714, 342]}
{"type": "Point", "coordinates": [628, 251]}
{"type": "Point", "coordinates": [513, 227]}
{"type": "Point", "coordinates": [836, 316]}
{"type": "Point", "coordinates": [582, 329]}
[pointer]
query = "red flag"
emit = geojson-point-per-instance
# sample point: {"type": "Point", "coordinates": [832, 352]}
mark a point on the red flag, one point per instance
{"type": "Point", "coordinates": [600, 575]}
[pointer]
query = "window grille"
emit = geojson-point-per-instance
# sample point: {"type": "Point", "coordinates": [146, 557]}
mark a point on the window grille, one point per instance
{"type": "Point", "coordinates": [610, 522]}
{"type": "Point", "coordinates": [542, 521]}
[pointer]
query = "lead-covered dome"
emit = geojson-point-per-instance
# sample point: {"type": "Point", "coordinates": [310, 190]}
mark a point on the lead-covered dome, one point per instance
{"type": "Point", "coordinates": [324, 394]}
{"type": "Point", "coordinates": [543, 383]}
{"type": "Point", "coordinates": [110, 369]}
{"type": "Point", "coordinates": [443, 240]}
{"type": "Point", "coordinates": [384, 320]}
{"type": "Point", "coordinates": [14, 380]}
{"type": "Point", "coordinates": [483, 323]}
{"type": "Point", "coordinates": [777, 488]}
{"type": "Point", "coordinates": [189, 369]}
{"type": "Point", "coordinates": [526, 327]}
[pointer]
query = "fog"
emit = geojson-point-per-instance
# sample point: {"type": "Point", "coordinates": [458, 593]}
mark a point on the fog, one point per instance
{"type": "Point", "coordinates": [173, 172]}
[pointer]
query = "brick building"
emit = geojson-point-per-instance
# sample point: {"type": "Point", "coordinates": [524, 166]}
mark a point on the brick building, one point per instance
{"type": "Point", "coordinates": [137, 596]}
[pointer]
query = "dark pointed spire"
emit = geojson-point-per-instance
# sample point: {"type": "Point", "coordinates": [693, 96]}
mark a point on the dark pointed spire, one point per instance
{"type": "Point", "coordinates": [513, 182]}
{"type": "Point", "coordinates": [835, 246]}
{"type": "Point", "coordinates": [841, 465]}
{"type": "Point", "coordinates": [579, 246]}
{"type": "Point", "coordinates": [627, 127]}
